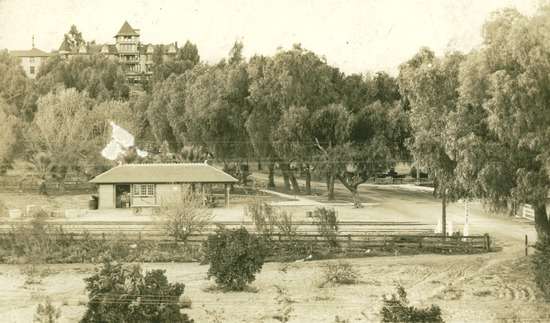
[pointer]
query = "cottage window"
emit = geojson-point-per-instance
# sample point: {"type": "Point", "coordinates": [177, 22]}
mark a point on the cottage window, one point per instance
{"type": "Point", "coordinates": [144, 190]}
{"type": "Point", "coordinates": [31, 69]}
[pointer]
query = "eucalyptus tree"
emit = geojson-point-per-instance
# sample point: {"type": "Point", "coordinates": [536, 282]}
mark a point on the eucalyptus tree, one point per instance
{"type": "Point", "coordinates": [217, 109]}
{"type": "Point", "coordinates": [15, 87]}
{"type": "Point", "coordinates": [507, 85]}
{"type": "Point", "coordinates": [9, 137]}
{"type": "Point", "coordinates": [291, 78]}
{"type": "Point", "coordinates": [430, 85]}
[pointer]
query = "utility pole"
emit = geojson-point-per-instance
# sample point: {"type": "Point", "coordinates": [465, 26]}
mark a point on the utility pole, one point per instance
{"type": "Point", "coordinates": [466, 229]}
{"type": "Point", "coordinates": [444, 214]}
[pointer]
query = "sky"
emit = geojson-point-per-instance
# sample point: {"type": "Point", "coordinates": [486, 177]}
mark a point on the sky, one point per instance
{"type": "Point", "coordinates": [357, 36]}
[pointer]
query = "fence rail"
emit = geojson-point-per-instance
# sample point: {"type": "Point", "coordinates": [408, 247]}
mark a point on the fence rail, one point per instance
{"type": "Point", "coordinates": [346, 241]}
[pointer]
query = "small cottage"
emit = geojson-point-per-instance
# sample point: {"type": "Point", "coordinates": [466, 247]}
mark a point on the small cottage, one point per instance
{"type": "Point", "coordinates": [146, 185]}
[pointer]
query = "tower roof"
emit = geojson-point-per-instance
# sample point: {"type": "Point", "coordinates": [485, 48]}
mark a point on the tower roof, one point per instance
{"type": "Point", "coordinates": [127, 30]}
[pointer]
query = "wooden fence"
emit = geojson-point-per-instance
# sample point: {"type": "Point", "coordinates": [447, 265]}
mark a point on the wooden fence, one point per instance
{"type": "Point", "coordinates": [365, 241]}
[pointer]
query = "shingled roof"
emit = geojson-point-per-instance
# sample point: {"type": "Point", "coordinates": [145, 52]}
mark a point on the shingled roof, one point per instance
{"type": "Point", "coordinates": [163, 173]}
{"type": "Point", "coordinates": [127, 30]}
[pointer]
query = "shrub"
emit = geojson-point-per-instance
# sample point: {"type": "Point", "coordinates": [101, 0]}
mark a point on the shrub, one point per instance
{"type": "Point", "coordinates": [285, 224]}
{"type": "Point", "coordinates": [266, 219]}
{"type": "Point", "coordinates": [541, 266]}
{"type": "Point", "coordinates": [262, 215]}
{"type": "Point", "coordinates": [120, 293]}
{"type": "Point", "coordinates": [47, 313]}
{"type": "Point", "coordinates": [284, 312]}
{"type": "Point", "coordinates": [184, 215]}
{"type": "Point", "coordinates": [235, 256]}
{"type": "Point", "coordinates": [340, 273]}
{"type": "Point", "coordinates": [397, 309]}
{"type": "Point", "coordinates": [327, 224]}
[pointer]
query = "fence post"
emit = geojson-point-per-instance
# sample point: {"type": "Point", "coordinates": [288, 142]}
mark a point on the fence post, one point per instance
{"type": "Point", "coordinates": [526, 245]}
{"type": "Point", "coordinates": [488, 242]}
{"type": "Point", "coordinates": [420, 242]}
{"type": "Point", "coordinates": [349, 241]}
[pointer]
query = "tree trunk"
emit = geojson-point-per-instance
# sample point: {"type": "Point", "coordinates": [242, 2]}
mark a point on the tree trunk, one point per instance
{"type": "Point", "coordinates": [444, 213]}
{"type": "Point", "coordinates": [259, 165]}
{"type": "Point", "coordinates": [330, 186]}
{"type": "Point", "coordinates": [286, 178]}
{"type": "Point", "coordinates": [271, 176]}
{"type": "Point", "coordinates": [541, 222]}
{"type": "Point", "coordinates": [308, 180]}
{"type": "Point", "coordinates": [353, 187]}
{"type": "Point", "coordinates": [356, 201]}
{"type": "Point", "coordinates": [294, 181]}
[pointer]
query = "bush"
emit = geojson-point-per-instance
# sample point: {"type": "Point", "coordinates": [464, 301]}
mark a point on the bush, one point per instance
{"type": "Point", "coordinates": [235, 256]}
{"type": "Point", "coordinates": [397, 309]}
{"type": "Point", "coordinates": [262, 215]}
{"type": "Point", "coordinates": [266, 219]}
{"type": "Point", "coordinates": [341, 273]}
{"type": "Point", "coordinates": [47, 313]}
{"type": "Point", "coordinates": [327, 224]}
{"type": "Point", "coordinates": [120, 293]}
{"type": "Point", "coordinates": [184, 215]}
{"type": "Point", "coordinates": [541, 267]}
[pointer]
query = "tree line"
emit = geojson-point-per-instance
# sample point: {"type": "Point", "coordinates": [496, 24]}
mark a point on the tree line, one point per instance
{"type": "Point", "coordinates": [477, 122]}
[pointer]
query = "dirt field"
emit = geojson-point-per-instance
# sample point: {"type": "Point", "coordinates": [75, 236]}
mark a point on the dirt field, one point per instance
{"type": "Point", "coordinates": [481, 288]}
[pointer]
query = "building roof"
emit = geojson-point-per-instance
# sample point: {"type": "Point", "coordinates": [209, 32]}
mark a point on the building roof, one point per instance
{"type": "Point", "coordinates": [127, 30]}
{"type": "Point", "coordinates": [163, 173]}
{"type": "Point", "coordinates": [34, 52]}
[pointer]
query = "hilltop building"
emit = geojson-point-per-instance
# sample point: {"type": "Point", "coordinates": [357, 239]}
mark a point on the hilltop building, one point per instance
{"type": "Point", "coordinates": [31, 59]}
{"type": "Point", "coordinates": [127, 49]}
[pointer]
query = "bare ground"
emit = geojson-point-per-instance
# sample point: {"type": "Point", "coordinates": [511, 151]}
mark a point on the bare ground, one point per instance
{"type": "Point", "coordinates": [480, 288]}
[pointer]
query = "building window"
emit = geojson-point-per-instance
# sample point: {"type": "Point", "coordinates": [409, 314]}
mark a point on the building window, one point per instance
{"type": "Point", "coordinates": [31, 69]}
{"type": "Point", "coordinates": [143, 190]}
{"type": "Point", "coordinates": [31, 59]}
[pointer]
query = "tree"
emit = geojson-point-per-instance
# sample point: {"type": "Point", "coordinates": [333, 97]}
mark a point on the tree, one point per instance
{"type": "Point", "coordinates": [431, 86]}
{"type": "Point", "coordinates": [186, 58]}
{"type": "Point", "coordinates": [235, 256]}
{"type": "Point", "coordinates": [295, 77]}
{"type": "Point", "coordinates": [15, 88]}
{"type": "Point", "coordinates": [47, 313]}
{"type": "Point", "coordinates": [217, 109]}
{"type": "Point", "coordinates": [68, 134]}
{"type": "Point", "coordinates": [73, 39]}
{"type": "Point", "coordinates": [293, 138]}
{"type": "Point", "coordinates": [120, 293]}
{"type": "Point", "coordinates": [102, 78]}
{"type": "Point", "coordinates": [184, 214]}
{"type": "Point", "coordinates": [330, 130]}
{"type": "Point", "coordinates": [8, 137]}
{"type": "Point", "coordinates": [189, 52]}
{"type": "Point", "coordinates": [505, 86]}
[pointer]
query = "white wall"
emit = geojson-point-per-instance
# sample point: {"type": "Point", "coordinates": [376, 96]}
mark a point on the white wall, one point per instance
{"type": "Point", "coordinates": [106, 194]}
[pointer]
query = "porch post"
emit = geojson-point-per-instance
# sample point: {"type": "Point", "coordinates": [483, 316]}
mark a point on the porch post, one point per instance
{"type": "Point", "coordinates": [202, 194]}
{"type": "Point", "coordinates": [226, 195]}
